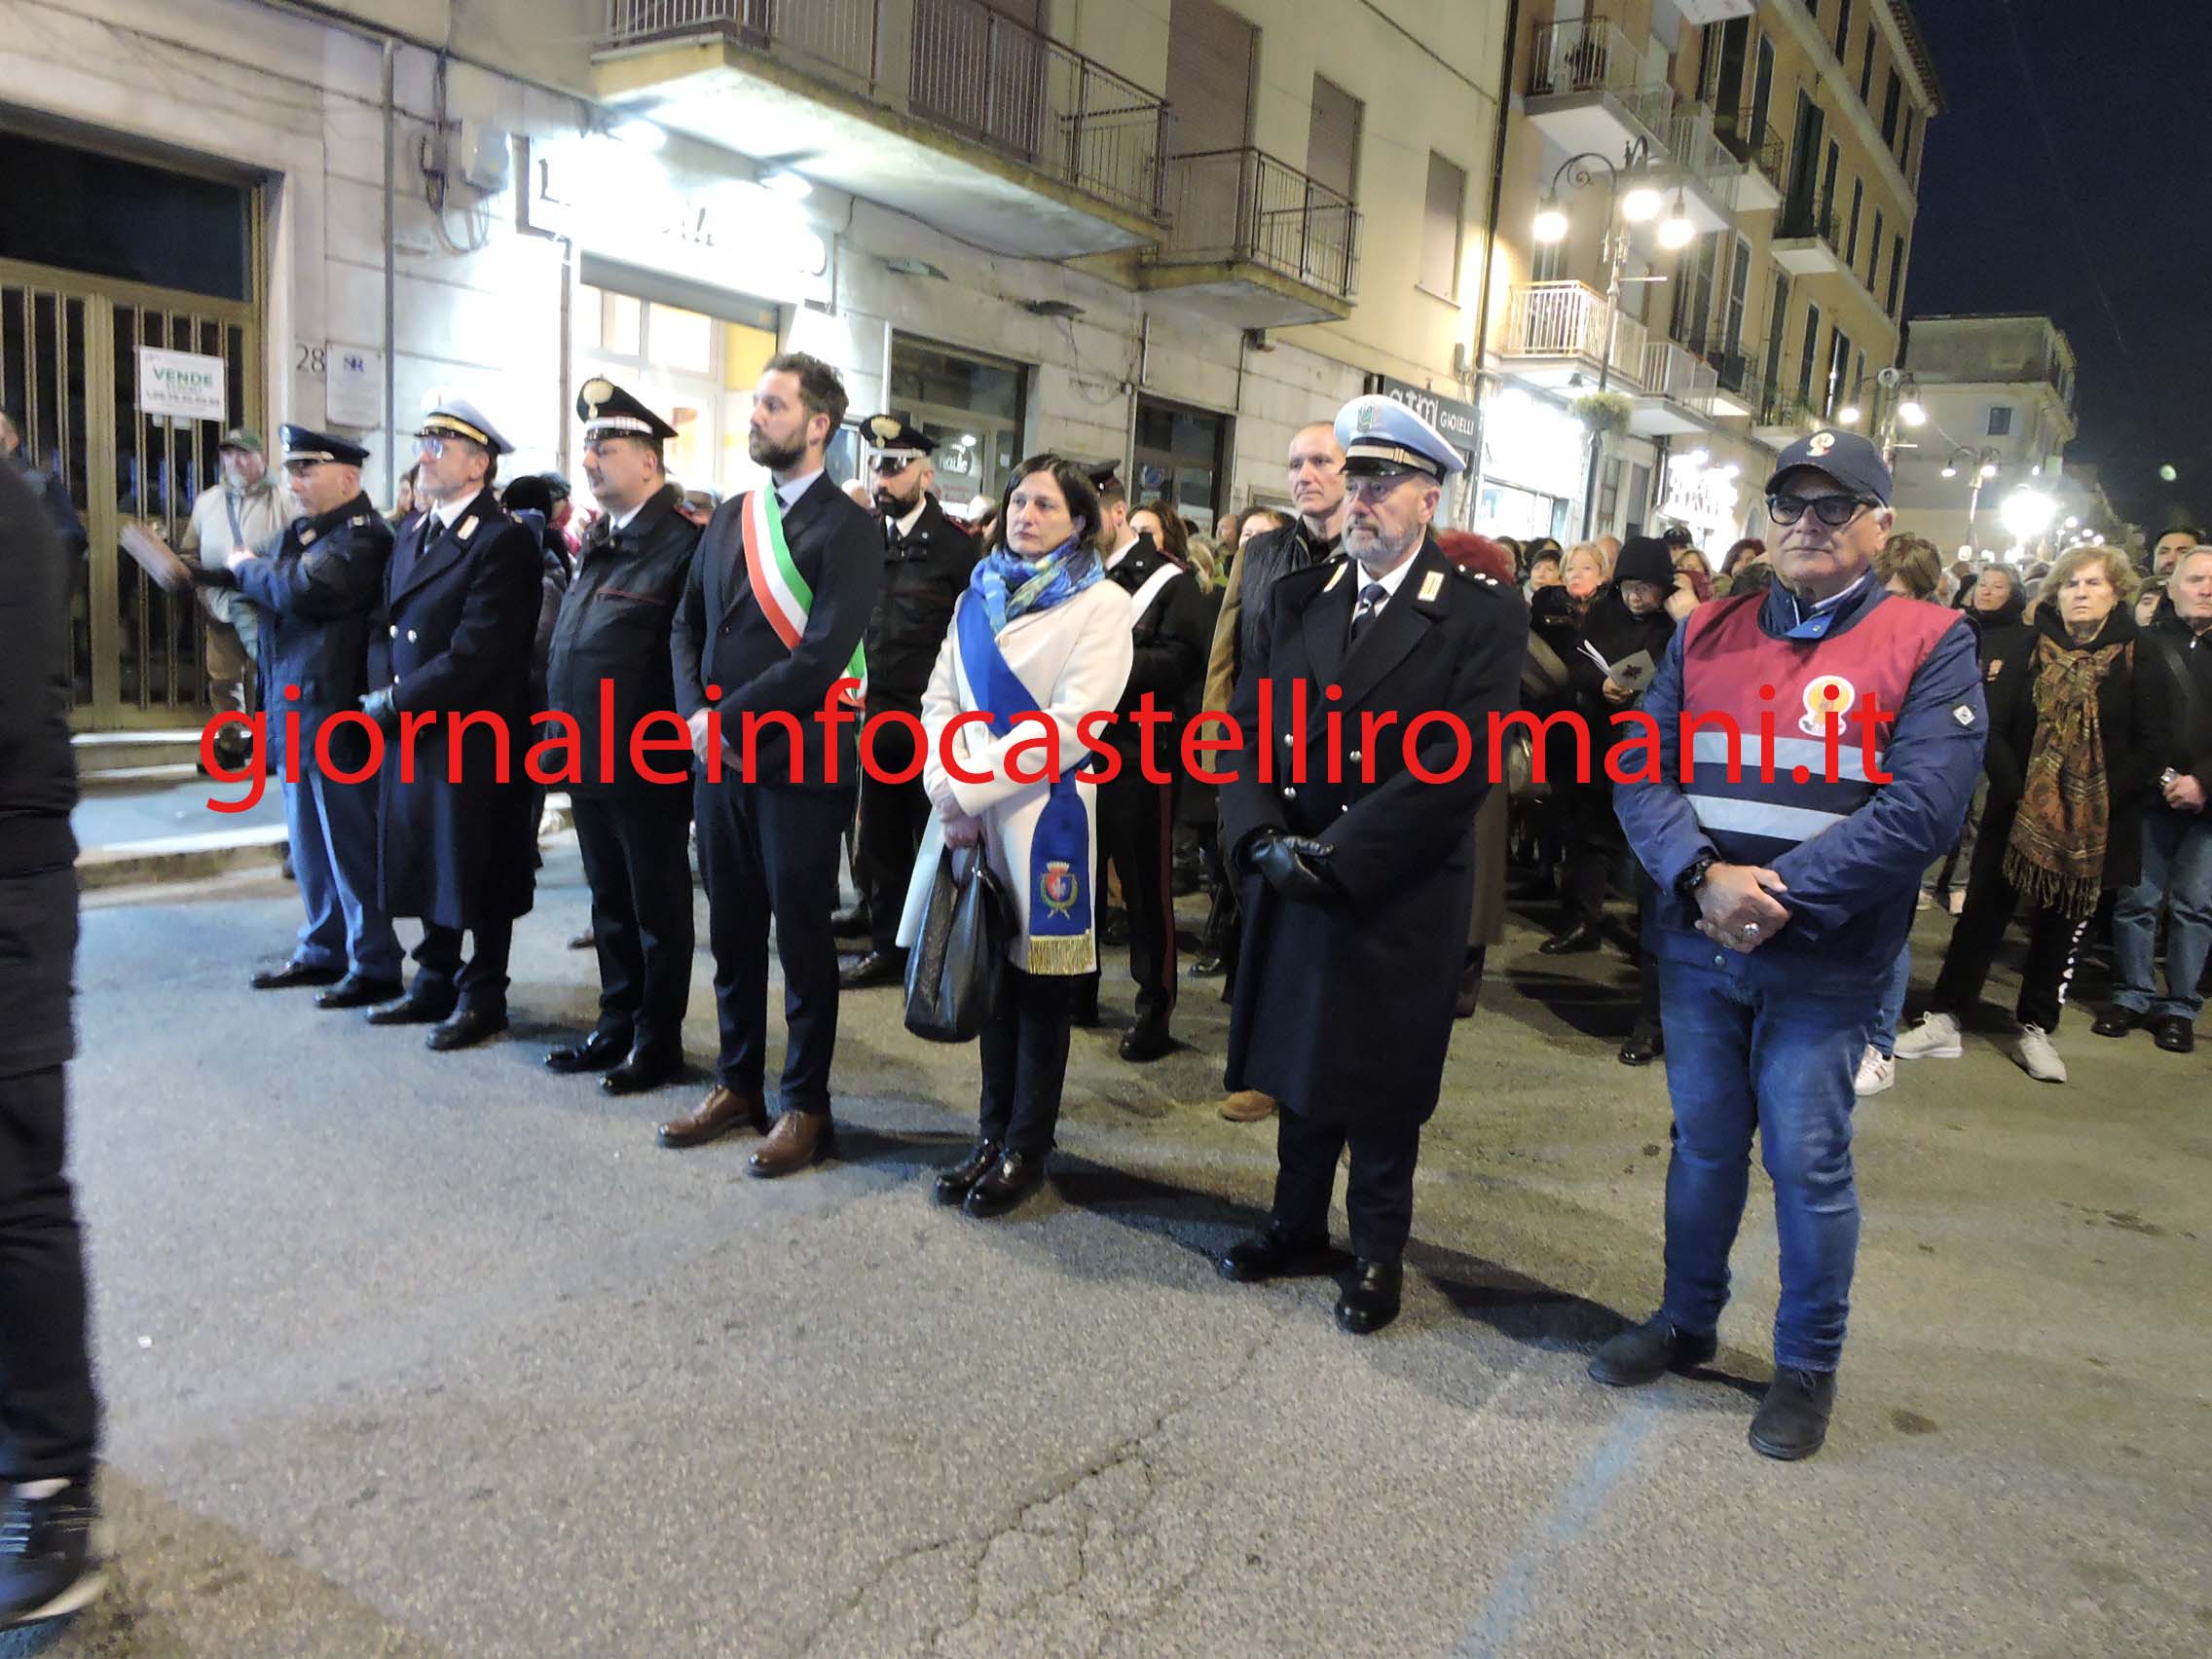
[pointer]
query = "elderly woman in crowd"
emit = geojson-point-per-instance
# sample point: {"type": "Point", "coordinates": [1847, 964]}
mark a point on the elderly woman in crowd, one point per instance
{"type": "Point", "coordinates": [1910, 567]}
{"type": "Point", "coordinates": [1582, 572]}
{"type": "Point", "coordinates": [1039, 628]}
{"type": "Point", "coordinates": [1995, 602]}
{"type": "Point", "coordinates": [2072, 760]}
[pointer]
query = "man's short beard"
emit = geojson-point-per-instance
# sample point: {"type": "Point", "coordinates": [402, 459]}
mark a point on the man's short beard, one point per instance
{"type": "Point", "coordinates": [1389, 556]}
{"type": "Point", "coordinates": [765, 453]}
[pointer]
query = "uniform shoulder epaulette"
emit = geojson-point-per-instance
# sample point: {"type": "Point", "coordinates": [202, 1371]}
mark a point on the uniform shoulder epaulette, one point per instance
{"type": "Point", "coordinates": [362, 518]}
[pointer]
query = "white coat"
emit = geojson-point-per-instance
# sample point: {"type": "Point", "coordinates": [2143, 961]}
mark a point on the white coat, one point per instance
{"type": "Point", "coordinates": [1074, 659]}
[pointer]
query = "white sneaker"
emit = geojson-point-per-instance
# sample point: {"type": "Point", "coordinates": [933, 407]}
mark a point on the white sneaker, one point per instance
{"type": "Point", "coordinates": [1957, 904]}
{"type": "Point", "coordinates": [1876, 1072]}
{"type": "Point", "coordinates": [1935, 1038]}
{"type": "Point", "coordinates": [2038, 1057]}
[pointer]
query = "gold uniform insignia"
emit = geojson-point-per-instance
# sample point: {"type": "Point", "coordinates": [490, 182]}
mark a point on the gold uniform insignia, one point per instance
{"type": "Point", "coordinates": [1337, 575]}
{"type": "Point", "coordinates": [883, 429]}
{"type": "Point", "coordinates": [307, 536]}
{"type": "Point", "coordinates": [595, 392]}
{"type": "Point", "coordinates": [1432, 585]}
{"type": "Point", "coordinates": [467, 528]}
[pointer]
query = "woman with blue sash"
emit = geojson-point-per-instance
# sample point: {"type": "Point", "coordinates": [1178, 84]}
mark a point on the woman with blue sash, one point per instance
{"type": "Point", "coordinates": [1037, 642]}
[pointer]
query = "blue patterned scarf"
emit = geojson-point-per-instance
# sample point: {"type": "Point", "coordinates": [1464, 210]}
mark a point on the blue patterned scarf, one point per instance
{"type": "Point", "coordinates": [1010, 586]}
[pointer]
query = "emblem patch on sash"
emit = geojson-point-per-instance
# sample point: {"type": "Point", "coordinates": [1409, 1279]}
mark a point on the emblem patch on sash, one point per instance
{"type": "Point", "coordinates": [1057, 886]}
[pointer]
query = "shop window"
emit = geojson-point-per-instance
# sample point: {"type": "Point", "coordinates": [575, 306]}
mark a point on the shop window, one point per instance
{"type": "Point", "coordinates": [696, 370]}
{"type": "Point", "coordinates": [1610, 492]}
{"type": "Point", "coordinates": [1181, 454]}
{"type": "Point", "coordinates": [973, 406]}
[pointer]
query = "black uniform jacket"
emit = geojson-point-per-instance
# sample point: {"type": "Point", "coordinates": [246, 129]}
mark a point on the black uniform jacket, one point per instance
{"type": "Point", "coordinates": [723, 637]}
{"type": "Point", "coordinates": [1343, 1007]}
{"type": "Point", "coordinates": [613, 632]}
{"type": "Point", "coordinates": [1172, 639]}
{"type": "Point", "coordinates": [316, 593]}
{"type": "Point", "coordinates": [459, 613]}
{"type": "Point", "coordinates": [924, 577]}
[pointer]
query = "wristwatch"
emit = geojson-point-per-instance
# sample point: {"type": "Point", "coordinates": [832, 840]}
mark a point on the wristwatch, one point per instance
{"type": "Point", "coordinates": [1692, 878]}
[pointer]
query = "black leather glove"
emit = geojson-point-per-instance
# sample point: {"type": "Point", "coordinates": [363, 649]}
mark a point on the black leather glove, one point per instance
{"type": "Point", "coordinates": [378, 706]}
{"type": "Point", "coordinates": [1294, 866]}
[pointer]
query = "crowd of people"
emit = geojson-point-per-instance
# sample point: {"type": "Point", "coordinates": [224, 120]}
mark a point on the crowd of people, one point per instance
{"type": "Point", "coordinates": [2043, 755]}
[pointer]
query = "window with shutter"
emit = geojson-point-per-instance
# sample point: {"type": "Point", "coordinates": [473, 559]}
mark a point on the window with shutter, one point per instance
{"type": "Point", "coordinates": [1442, 227]}
{"type": "Point", "coordinates": [1332, 143]}
{"type": "Point", "coordinates": [1210, 54]}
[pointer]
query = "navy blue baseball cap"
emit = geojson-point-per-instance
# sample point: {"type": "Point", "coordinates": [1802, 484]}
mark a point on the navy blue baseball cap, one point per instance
{"type": "Point", "coordinates": [1845, 457]}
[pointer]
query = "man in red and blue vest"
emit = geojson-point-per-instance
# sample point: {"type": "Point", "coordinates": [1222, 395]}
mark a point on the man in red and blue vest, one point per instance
{"type": "Point", "coordinates": [1786, 872]}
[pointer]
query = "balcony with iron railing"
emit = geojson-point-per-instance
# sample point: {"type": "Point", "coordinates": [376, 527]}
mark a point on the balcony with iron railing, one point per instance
{"type": "Point", "coordinates": [1736, 385]}
{"type": "Point", "coordinates": [1555, 333]}
{"type": "Point", "coordinates": [1589, 88]}
{"type": "Point", "coordinates": [1782, 417]}
{"type": "Point", "coordinates": [1678, 392]}
{"type": "Point", "coordinates": [1805, 242]}
{"type": "Point", "coordinates": [1270, 245]}
{"type": "Point", "coordinates": [1761, 157]}
{"type": "Point", "coordinates": [943, 108]}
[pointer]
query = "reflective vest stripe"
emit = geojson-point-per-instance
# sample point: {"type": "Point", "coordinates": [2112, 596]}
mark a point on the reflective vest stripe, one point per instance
{"type": "Point", "coordinates": [1732, 815]}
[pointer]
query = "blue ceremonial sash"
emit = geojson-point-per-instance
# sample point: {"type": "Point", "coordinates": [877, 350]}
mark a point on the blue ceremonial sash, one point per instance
{"type": "Point", "coordinates": [1059, 876]}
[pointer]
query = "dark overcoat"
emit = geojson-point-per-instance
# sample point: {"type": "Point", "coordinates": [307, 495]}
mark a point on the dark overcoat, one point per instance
{"type": "Point", "coordinates": [1343, 1007]}
{"type": "Point", "coordinates": [460, 606]}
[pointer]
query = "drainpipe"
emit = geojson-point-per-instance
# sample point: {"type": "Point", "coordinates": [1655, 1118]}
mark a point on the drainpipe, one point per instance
{"type": "Point", "coordinates": [1490, 237]}
{"type": "Point", "coordinates": [393, 467]}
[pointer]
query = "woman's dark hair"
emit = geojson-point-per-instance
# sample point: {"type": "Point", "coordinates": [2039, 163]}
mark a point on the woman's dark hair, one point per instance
{"type": "Point", "coordinates": [1544, 555]}
{"type": "Point", "coordinates": [1543, 544]}
{"type": "Point", "coordinates": [1751, 544]}
{"type": "Point", "coordinates": [1075, 489]}
{"type": "Point", "coordinates": [1174, 534]}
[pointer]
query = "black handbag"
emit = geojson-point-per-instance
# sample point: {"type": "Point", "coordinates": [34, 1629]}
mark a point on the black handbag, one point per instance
{"type": "Point", "coordinates": [957, 965]}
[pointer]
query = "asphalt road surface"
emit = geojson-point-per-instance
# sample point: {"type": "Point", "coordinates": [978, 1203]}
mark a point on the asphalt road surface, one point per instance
{"type": "Point", "coordinates": [418, 1354]}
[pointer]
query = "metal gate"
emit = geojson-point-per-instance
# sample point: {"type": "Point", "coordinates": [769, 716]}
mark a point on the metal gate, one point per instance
{"type": "Point", "coordinates": [69, 363]}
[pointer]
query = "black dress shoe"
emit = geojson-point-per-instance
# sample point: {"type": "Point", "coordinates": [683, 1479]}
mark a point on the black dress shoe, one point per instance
{"type": "Point", "coordinates": [1371, 1297]}
{"type": "Point", "coordinates": [2173, 1033]}
{"type": "Point", "coordinates": [293, 974]}
{"type": "Point", "coordinates": [596, 1053]}
{"type": "Point", "coordinates": [1646, 1352]}
{"type": "Point", "coordinates": [1146, 1039]}
{"type": "Point", "coordinates": [353, 991]}
{"type": "Point", "coordinates": [1114, 926]}
{"type": "Point", "coordinates": [2119, 1021]}
{"type": "Point", "coordinates": [1275, 1254]}
{"type": "Point", "coordinates": [414, 1009]}
{"type": "Point", "coordinates": [853, 923]}
{"type": "Point", "coordinates": [585, 940]}
{"type": "Point", "coordinates": [876, 968]}
{"type": "Point", "coordinates": [641, 1073]}
{"type": "Point", "coordinates": [1645, 1045]}
{"type": "Point", "coordinates": [952, 1186]}
{"type": "Point", "coordinates": [1793, 1421]}
{"type": "Point", "coordinates": [465, 1027]}
{"type": "Point", "coordinates": [1006, 1182]}
{"type": "Point", "coordinates": [1208, 965]}
{"type": "Point", "coordinates": [1582, 935]}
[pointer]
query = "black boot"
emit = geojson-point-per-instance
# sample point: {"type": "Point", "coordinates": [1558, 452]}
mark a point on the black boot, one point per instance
{"type": "Point", "coordinates": [1793, 1421]}
{"type": "Point", "coordinates": [1646, 1044]}
{"type": "Point", "coordinates": [1276, 1254]}
{"type": "Point", "coordinates": [1569, 940]}
{"type": "Point", "coordinates": [1646, 1352]}
{"type": "Point", "coordinates": [1371, 1297]}
{"type": "Point", "coordinates": [52, 1554]}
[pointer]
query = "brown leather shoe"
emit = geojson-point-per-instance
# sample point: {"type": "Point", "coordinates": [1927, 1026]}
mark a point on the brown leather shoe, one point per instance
{"type": "Point", "coordinates": [1248, 1106]}
{"type": "Point", "coordinates": [724, 1109]}
{"type": "Point", "coordinates": [798, 1139]}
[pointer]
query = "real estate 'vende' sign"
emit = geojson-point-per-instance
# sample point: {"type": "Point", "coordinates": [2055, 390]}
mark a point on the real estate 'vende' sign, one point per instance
{"type": "Point", "coordinates": [180, 385]}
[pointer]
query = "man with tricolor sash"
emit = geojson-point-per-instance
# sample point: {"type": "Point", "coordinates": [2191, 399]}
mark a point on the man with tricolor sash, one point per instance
{"type": "Point", "coordinates": [1787, 861]}
{"type": "Point", "coordinates": [771, 619]}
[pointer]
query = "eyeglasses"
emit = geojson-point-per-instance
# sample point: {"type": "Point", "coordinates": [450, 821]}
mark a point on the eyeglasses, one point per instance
{"type": "Point", "coordinates": [1834, 511]}
{"type": "Point", "coordinates": [429, 445]}
{"type": "Point", "coordinates": [1373, 486]}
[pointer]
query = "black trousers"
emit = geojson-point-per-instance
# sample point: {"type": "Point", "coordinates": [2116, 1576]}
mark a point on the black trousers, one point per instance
{"type": "Point", "coordinates": [892, 818]}
{"type": "Point", "coordinates": [48, 1414]}
{"type": "Point", "coordinates": [1379, 1193]}
{"type": "Point", "coordinates": [2053, 940]}
{"type": "Point", "coordinates": [635, 846]}
{"type": "Point", "coordinates": [765, 851]}
{"type": "Point", "coordinates": [1593, 848]}
{"type": "Point", "coordinates": [1025, 1061]}
{"type": "Point", "coordinates": [1136, 832]}
{"type": "Point", "coordinates": [482, 981]}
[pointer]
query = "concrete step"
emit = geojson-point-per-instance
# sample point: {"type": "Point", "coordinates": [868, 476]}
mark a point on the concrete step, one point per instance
{"type": "Point", "coordinates": [182, 858]}
{"type": "Point", "coordinates": [129, 751]}
{"type": "Point", "coordinates": [138, 777]}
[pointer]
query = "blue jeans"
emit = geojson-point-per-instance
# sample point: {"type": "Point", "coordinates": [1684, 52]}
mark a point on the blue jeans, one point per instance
{"type": "Point", "coordinates": [1745, 1056]}
{"type": "Point", "coordinates": [2177, 870]}
{"type": "Point", "coordinates": [1892, 1007]}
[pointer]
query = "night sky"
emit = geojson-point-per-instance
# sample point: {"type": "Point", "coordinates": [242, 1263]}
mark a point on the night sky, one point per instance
{"type": "Point", "coordinates": [2123, 87]}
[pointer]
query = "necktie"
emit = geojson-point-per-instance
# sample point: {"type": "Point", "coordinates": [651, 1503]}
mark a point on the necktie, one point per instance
{"type": "Point", "coordinates": [1371, 598]}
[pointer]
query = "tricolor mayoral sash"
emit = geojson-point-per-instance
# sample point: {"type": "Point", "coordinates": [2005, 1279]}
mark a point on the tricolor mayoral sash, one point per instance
{"type": "Point", "coordinates": [784, 595]}
{"type": "Point", "coordinates": [1059, 878]}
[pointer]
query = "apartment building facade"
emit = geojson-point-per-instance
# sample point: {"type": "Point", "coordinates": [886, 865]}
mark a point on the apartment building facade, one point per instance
{"type": "Point", "coordinates": [1732, 272]}
{"type": "Point", "coordinates": [1165, 231]}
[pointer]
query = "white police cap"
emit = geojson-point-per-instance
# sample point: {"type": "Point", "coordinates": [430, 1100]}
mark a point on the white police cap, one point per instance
{"type": "Point", "coordinates": [448, 415]}
{"type": "Point", "coordinates": [1379, 434]}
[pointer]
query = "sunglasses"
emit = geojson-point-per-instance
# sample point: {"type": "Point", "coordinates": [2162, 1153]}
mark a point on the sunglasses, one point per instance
{"type": "Point", "coordinates": [1834, 511]}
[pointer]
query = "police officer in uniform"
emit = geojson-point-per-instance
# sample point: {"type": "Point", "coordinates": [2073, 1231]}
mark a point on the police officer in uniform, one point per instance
{"type": "Point", "coordinates": [1356, 894]}
{"type": "Point", "coordinates": [454, 844]}
{"type": "Point", "coordinates": [1136, 817]}
{"type": "Point", "coordinates": [611, 639]}
{"type": "Point", "coordinates": [927, 560]}
{"type": "Point", "coordinates": [315, 593]}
